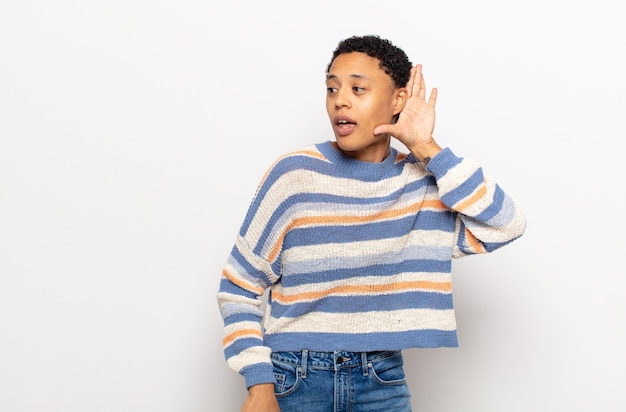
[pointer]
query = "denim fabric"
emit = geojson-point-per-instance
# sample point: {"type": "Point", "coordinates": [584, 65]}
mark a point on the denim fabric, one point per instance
{"type": "Point", "coordinates": [340, 381]}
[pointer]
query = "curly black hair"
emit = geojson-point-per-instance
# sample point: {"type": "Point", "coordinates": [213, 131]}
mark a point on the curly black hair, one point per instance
{"type": "Point", "coordinates": [393, 60]}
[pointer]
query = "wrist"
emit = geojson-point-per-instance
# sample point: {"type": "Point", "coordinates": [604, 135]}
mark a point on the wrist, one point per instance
{"type": "Point", "coordinates": [425, 152]}
{"type": "Point", "coordinates": [261, 389]}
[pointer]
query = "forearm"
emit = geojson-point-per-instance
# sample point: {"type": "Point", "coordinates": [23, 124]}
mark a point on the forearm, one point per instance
{"type": "Point", "coordinates": [490, 217]}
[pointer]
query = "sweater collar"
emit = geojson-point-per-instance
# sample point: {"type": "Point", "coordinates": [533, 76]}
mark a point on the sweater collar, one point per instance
{"type": "Point", "coordinates": [359, 167]}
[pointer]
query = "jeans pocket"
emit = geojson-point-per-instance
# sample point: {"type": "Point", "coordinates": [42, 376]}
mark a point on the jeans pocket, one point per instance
{"type": "Point", "coordinates": [388, 370]}
{"type": "Point", "coordinates": [287, 379]}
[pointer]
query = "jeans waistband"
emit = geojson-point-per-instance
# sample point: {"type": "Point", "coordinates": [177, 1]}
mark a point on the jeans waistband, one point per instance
{"type": "Point", "coordinates": [330, 360]}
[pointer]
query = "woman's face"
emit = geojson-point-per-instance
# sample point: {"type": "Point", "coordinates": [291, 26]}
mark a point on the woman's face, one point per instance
{"type": "Point", "coordinates": [361, 96]}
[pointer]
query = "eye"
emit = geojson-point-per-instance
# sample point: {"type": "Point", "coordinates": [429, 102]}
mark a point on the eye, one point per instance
{"type": "Point", "coordinates": [331, 90]}
{"type": "Point", "coordinates": [358, 89]}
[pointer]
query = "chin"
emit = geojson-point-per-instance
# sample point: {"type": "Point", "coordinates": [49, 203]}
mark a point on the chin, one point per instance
{"type": "Point", "coordinates": [346, 145]}
{"type": "Point", "coordinates": [352, 143]}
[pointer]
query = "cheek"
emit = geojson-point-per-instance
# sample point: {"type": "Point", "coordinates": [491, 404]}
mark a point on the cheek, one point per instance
{"type": "Point", "coordinates": [380, 110]}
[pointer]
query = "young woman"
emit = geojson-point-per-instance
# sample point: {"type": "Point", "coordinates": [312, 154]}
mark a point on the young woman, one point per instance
{"type": "Point", "coordinates": [355, 240]}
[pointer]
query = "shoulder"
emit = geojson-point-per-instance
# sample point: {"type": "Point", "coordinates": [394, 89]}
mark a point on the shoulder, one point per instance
{"type": "Point", "coordinates": [304, 156]}
{"type": "Point", "coordinates": [309, 158]}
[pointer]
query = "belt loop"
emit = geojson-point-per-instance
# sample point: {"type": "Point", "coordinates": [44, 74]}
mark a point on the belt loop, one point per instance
{"type": "Point", "coordinates": [364, 364]}
{"type": "Point", "coordinates": [305, 360]}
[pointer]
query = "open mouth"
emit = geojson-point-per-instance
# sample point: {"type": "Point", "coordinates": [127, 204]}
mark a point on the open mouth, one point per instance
{"type": "Point", "coordinates": [344, 125]}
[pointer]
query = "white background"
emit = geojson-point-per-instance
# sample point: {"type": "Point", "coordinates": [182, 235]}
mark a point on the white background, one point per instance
{"type": "Point", "coordinates": [133, 134]}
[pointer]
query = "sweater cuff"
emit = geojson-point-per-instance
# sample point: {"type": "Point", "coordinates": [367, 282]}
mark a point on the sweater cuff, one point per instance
{"type": "Point", "coordinates": [258, 374]}
{"type": "Point", "coordinates": [443, 162]}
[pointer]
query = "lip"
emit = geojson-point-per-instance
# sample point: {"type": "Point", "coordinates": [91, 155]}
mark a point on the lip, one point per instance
{"type": "Point", "coordinates": [343, 129]}
{"type": "Point", "coordinates": [341, 117]}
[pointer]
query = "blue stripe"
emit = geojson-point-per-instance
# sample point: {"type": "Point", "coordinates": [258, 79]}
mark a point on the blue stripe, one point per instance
{"type": "Point", "coordinates": [232, 309]}
{"type": "Point", "coordinates": [382, 270]}
{"type": "Point", "coordinates": [443, 162]}
{"type": "Point", "coordinates": [361, 342]}
{"type": "Point", "coordinates": [244, 267]}
{"type": "Point", "coordinates": [240, 345]}
{"type": "Point", "coordinates": [229, 287]}
{"type": "Point", "coordinates": [241, 317]}
{"type": "Point", "coordinates": [353, 262]}
{"type": "Point", "coordinates": [365, 303]}
{"type": "Point", "coordinates": [464, 190]}
{"type": "Point", "coordinates": [257, 373]}
{"type": "Point", "coordinates": [494, 208]}
{"type": "Point", "coordinates": [317, 235]}
{"type": "Point", "coordinates": [491, 246]}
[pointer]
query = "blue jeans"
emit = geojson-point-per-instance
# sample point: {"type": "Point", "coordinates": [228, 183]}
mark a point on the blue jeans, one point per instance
{"type": "Point", "coordinates": [341, 381]}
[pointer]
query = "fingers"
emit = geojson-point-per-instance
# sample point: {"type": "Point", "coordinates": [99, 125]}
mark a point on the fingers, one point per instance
{"type": "Point", "coordinates": [417, 80]}
{"type": "Point", "coordinates": [417, 86]}
{"type": "Point", "coordinates": [409, 85]}
{"type": "Point", "coordinates": [422, 84]}
{"type": "Point", "coordinates": [433, 97]}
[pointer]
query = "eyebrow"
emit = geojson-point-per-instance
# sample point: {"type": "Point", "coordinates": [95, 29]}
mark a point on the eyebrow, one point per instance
{"type": "Point", "coordinates": [356, 76]}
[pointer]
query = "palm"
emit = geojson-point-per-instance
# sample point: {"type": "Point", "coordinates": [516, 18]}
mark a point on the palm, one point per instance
{"type": "Point", "coordinates": [417, 120]}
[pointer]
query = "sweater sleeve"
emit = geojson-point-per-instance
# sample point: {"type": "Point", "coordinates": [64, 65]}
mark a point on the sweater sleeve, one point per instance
{"type": "Point", "coordinates": [240, 299]}
{"type": "Point", "coordinates": [487, 217]}
{"type": "Point", "coordinates": [252, 266]}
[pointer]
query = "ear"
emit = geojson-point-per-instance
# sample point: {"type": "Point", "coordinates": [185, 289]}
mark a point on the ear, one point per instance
{"type": "Point", "coordinates": [400, 99]}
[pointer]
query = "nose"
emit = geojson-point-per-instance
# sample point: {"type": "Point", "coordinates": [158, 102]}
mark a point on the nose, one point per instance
{"type": "Point", "coordinates": [342, 99]}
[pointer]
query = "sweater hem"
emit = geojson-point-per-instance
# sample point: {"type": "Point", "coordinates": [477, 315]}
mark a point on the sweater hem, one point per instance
{"type": "Point", "coordinates": [363, 342]}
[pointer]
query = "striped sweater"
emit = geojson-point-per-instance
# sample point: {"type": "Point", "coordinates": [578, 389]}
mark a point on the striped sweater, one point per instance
{"type": "Point", "coordinates": [356, 255]}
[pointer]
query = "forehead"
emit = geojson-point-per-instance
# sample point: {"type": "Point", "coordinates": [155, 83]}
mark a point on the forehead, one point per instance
{"type": "Point", "coordinates": [358, 65]}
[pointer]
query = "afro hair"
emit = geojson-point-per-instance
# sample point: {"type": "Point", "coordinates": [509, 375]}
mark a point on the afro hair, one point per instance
{"type": "Point", "coordinates": [393, 60]}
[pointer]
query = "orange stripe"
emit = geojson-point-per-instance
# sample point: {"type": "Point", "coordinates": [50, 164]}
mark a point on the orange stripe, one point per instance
{"type": "Point", "coordinates": [241, 283]}
{"type": "Point", "coordinates": [239, 333]}
{"type": "Point", "coordinates": [479, 193]}
{"type": "Point", "coordinates": [474, 243]}
{"type": "Point", "coordinates": [320, 220]}
{"type": "Point", "coordinates": [354, 289]}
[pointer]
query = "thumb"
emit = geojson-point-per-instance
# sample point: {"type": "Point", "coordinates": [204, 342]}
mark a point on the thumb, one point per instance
{"type": "Point", "coordinates": [384, 129]}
